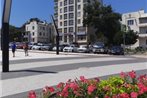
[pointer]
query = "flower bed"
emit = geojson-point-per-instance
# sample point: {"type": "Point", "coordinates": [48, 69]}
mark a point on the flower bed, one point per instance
{"type": "Point", "coordinates": [127, 85]}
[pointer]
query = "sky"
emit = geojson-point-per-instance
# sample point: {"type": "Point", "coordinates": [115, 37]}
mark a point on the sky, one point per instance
{"type": "Point", "coordinates": [23, 10]}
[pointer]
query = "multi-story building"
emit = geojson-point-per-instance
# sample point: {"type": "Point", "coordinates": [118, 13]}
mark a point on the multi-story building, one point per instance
{"type": "Point", "coordinates": [38, 31]}
{"type": "Point", "coordinates": [137, 21]}
{"type": "Point", "coordinates": [69, 18]}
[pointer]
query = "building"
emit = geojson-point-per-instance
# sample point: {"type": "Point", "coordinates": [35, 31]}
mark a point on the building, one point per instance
{"type": "Point", "coordinates": [137, 21]}
{"type": "Point", "coordinates": [37, 31]}
{"type": "Point", "coordinates": [69, 19]}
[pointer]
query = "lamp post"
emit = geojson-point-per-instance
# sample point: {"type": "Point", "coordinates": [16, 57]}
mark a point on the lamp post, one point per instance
{"type": "Point", "coordinates": [5, 35]}
{"type": "Point", "coordinates": [57, 35]}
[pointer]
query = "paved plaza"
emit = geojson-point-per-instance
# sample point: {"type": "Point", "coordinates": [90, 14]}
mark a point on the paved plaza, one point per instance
{"type": "Point", "coordinates": [46, 68]}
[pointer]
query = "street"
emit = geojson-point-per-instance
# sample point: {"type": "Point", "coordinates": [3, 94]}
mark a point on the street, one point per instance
{"type": "Point", "coordinates": [44, 68]}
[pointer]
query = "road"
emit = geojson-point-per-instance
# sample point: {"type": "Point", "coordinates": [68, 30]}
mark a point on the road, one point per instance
{"type": "Point", "coordinates": [41, 69]}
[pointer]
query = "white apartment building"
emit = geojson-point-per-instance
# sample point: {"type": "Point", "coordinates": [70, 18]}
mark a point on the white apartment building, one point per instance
{"type": "Point", "coordinates": [137, 21]}
{"type": "Point", "coordinates": [69, 18]}
{"type": "Point", "coordinates": [38, 31]}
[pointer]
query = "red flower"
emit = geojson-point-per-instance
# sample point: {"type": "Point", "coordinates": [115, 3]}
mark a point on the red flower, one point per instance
{"type": "Point", "coordinates": [132, 74]}
{"type": "Point", "coordinates": [60, 85]}
{"type": "Point", "coordinates": [115, 96]}
{"type": "Point", "coordinates": [51, 89]}
{"type": "Point", "coordinates": [91, 88]}
{"type": "Point", "coordinates": [45, 90]}
{"type": "Point", "coordinates": [32, 94]}
{"type": "Point", "coordinates": [122, 75]}
{"type": "Point", "coordinates": [142, 88]}
{"type": "Point", "coordinates": [65, 89]}
{"type": "Point", "coordinates": [74, 86]}
{"type": "Point", "coordinates": [124, 95]}
{"type": "Point", "coordinates": [134, 95]}
{"type": "Point", "coordinates": [107, 96]}
{"type": "Point", "coordinates": [82, 78]}
{"type": "Point", "coordinates": [97, 79]}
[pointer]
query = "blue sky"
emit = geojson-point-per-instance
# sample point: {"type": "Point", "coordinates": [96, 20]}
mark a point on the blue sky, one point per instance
{"type": "Point", "coordinates": [23, 10]}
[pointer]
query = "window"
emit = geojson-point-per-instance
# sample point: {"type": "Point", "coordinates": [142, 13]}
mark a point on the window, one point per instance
{"type": "Point", "coordinates": [65, 2]}
{"type": "Point", "coordinates": [43, 28]}
{"type": "Point", "coordinates": [65, 23]}
{"type": "Point", "coordinates": [79, 7]}
{"type": "Point", "coordinates": [60, 23]}
{"type": "Point", "coordinates": [60, 38]}
{"type": "Point", "coordinates": [65, 16]}
{"type": "Point", "coordinates": [60, 3]}
{"type": "Point", "coordinates": [79, 14]}
{"type": "Point", "coordinates": [33, 39]}
{"type": "Point", "coordinates": [79, 0]}
{"type": "Point", "coordinates": [71, 15]}
{"type": "Point", "coordinates": [65, 38]}
{"type": "Point", "coordinates": [43, 34]}
{"type": "Point", "coordinates": [59, 30]}
{"type": "Point", "coordinates": [130, 22]}
{"type": "Point", "coordinates": [33, 27]}
{"type": "Point", "coordinates": [71, 8]}
{"type": "Point", "coordinates": [65, 30]}
{"type": "Point", "coordinates": [33, 34]}
{"type": "Point", "coordinates": [70, 22]}
{"type": "Point", "coordinates": [61, 10]}
{"type": "Point", "coordinates": [71, 1]}
{"type": "Point", "coordinates": [79, 21]}
{"type": "Point", "coordinates": [65, 9]}
{"type": "Point", "coordinates": [81, 37]}
{"type": "Point", "coordinates": [60, 16]}
{"type": "Point", "coordinates": [70, 29]}
{"type": "Point", "coordinates": [40, 34]}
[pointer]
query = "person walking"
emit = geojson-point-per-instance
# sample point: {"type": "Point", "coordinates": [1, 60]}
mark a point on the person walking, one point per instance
{"type": "Point", "coordinates": [26, 47]}
{"type": "Point", "coordinates": [13, 48]}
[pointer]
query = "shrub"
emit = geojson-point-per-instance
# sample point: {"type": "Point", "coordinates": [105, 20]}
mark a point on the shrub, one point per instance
{"type": "Point", "coordinates": [127, 85]}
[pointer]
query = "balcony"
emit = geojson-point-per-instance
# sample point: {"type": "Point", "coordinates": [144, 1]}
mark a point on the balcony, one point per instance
{"type": "Point", "coordinates": [142, 35]}
{"type": "Point", "coordinates": [143, 25]}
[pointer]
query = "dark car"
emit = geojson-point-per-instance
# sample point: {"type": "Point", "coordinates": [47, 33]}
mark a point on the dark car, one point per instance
{"type": "Point", "coordinates": [98, 47]}
{"type": "Point", "coordinates": [118, 50]}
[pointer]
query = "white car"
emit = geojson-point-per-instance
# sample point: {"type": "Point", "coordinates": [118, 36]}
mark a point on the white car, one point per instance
{"type": "Point", "coordinates": [70, 48]}
{"type": "Point", "coordinates": [36, 47]}
{"type": "Point", "coordinates": [82, 49]}
{"type": "Point", "coordinates": [55, 48]}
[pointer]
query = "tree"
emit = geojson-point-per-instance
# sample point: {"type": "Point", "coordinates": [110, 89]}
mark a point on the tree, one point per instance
{"type": "Point", "coordinates": [130, 38]}
{"type": "Point", "coordinates": [103, 19]}
{"type": "Point", "coordinates": [15, 34]}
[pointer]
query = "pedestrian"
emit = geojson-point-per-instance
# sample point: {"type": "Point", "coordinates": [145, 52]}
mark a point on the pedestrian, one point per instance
{"type": "Point", "coordinates": [26, 47]}
{"type": "Point", "coordinates": [13, 48]}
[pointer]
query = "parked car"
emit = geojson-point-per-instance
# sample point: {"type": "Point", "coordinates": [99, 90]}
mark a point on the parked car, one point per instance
{"type": "Point", "coordinates": [118, 50]}
{"type": "Point", "coordinates": [83, 49]}
{"type": "Point", "coordinates": [19, 45]}
{"type": "Point", "coordinates": [36, 47]}
{"type": "Point", "coordinates": [46, 47]}
{"type": "Point", "coordinates": [55, 48]}
{"type": "Point", "coordinates": [98, 47]}
{"type": "Point", "coordinates": [70, 48]}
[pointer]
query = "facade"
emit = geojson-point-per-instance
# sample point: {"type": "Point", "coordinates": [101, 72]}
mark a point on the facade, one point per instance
{"type": "Point", "coordinates": [69, 19]}
{"type": "Point", "coordinates": [37, 31]}
{"type": "Point", "coordinates": [137, 21]}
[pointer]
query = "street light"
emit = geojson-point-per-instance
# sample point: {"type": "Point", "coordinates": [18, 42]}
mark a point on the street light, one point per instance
{"type": "Point", "coordinates": [5, 35]}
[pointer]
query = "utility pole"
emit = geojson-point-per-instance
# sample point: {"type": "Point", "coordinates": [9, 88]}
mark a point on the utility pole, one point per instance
{"type": "Point", "coordinates": [57, 36]}
{"type": "Point", "coordinates": [5, 35]}
{"type": "Point", "coordinates": [75, 21]}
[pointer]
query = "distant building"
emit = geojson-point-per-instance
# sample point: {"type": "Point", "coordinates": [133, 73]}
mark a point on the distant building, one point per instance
{"type": "Point", "coordinates": [137, 21]}
{"type": "Point", "coordinates": [38, 31]}
{"type": "Point", "coordinates": [69, 19]}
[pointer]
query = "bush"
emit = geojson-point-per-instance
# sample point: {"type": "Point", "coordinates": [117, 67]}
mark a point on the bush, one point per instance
{"type": "Point", "coordinates": [127, 85]}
